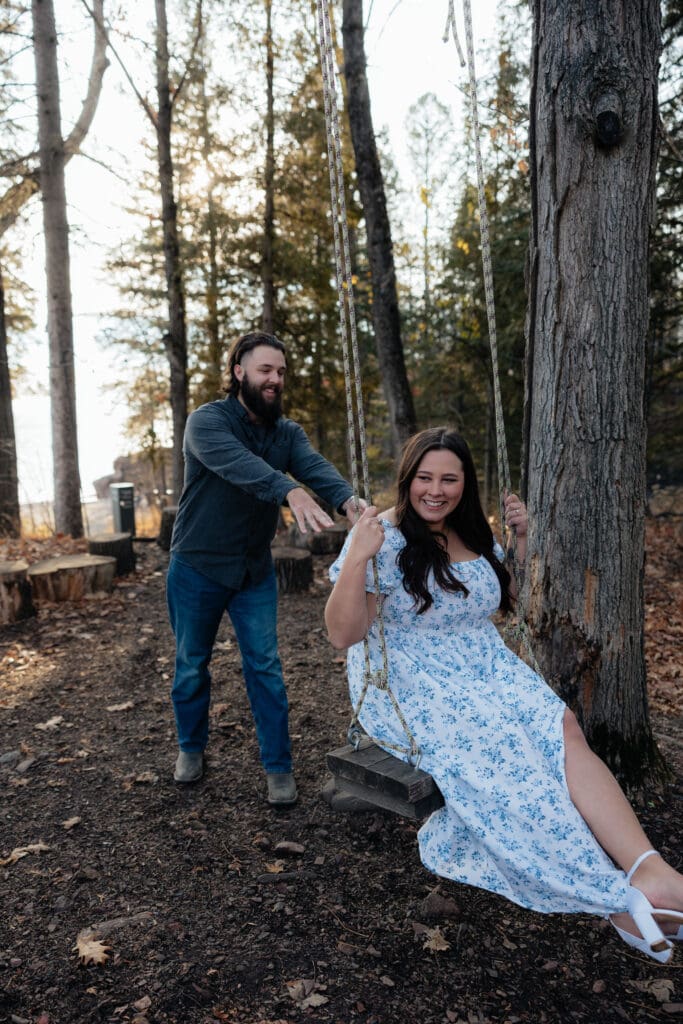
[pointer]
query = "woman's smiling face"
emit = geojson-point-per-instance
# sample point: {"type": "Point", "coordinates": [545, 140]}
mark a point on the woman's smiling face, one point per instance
{"type": "Point", "coordinates": [436, 488]}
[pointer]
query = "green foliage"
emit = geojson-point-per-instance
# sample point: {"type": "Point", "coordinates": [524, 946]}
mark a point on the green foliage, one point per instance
{"type": "Point", "coordinates": [451, 372]}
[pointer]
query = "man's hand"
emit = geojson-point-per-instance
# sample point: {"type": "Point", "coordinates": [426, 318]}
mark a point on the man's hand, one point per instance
{"type": "Point", "coordinates": [306, 511]}
{"type": "Point", "coordinates": [349, 508]}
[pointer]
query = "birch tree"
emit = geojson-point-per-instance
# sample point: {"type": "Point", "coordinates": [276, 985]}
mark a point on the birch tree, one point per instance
{"type": "Point", "coordinates": [22, 172]}
{"type": "Point", "coordinates": [593, 156]}
{"type": "Point", "coordinates": [67, 486]}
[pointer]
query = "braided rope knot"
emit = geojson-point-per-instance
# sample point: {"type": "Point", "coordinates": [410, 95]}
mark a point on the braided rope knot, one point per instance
{"type": "Point", "coordinates": [378, 678]}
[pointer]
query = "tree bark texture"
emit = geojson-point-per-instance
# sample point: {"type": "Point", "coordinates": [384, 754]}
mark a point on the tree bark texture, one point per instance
{"type": "Point", "coordinates": [10, 522]}
{"type": "Point", "coordinates": [593, 155]}
{"type": "Point", "coordinates": [175, 340]}
{"type": "Point", "coordinates": [67, 486]}
{"type": "Point", "coordinates": [380, 250]}
{"type": "Point", "coordinates": [115, 545]}
{"type": "Point", "coordinates": [72, 577]}
{"type": "Point", "coordinates": [267, 276]}
{"type": "Point", "coordinates": [293, 569]}
{"type": "Point", "coordinates": [15, 593]}
{"type": "Point", "coordinates": [213, 372]}
{"type": "Point", "coordinates": [168, 517]}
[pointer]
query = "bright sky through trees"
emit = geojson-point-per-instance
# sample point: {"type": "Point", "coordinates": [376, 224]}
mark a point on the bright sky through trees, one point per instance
{"type": "Point", "coordinates": [406, 57]}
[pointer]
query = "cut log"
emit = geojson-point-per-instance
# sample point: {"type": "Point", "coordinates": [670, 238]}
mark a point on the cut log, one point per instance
{"type": "Point", "coordinates": [329, 541]}
{"type": "Point", "coordinates": [375, 777]}
{"type": "Point", "coordinates": [15, 593]}
{"type": "Point", "coordinates": [72, 577]}
{"type": "Point", "coordinates": [293, 568]}
{"type": "Point", "coordinates": [166, 528]}
{"type": "Point", "coordinates": [119, 546]}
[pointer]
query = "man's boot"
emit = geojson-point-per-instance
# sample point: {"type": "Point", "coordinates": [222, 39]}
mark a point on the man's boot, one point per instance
{"type": "Point", "coordinates": [189, 766]}
{"type": "Point", "coordinates": [281, 789]}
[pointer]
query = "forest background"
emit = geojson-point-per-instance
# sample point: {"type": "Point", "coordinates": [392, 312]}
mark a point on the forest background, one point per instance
{"type": "Point", "coordinates": [219, 144]}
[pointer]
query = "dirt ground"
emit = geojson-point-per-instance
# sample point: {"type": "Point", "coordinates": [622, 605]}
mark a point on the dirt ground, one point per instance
{"type": "Point", "coordinates": [204, 905]}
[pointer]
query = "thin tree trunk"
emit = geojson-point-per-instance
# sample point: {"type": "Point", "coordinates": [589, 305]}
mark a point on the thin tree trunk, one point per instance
{"type": "Point", "coordinates": [67, 486]}
{"type": "Point", "coordinates": [380, 250]}
{"type": "Point", "coordinates": [594, 134]}
{"type": "Point", "coordinates": [13, 200]}
{"type": "Point", "coordinates": [267, 276]}
{"type": "Point", "coordinates": [10, 522]}
{"type": "Point", "coordinates": [175, 338]}
{"type": "Point", "coordinates": [213, 371]}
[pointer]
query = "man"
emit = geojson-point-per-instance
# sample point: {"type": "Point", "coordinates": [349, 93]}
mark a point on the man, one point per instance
{"type": "Point", "coordinates": [238, 452]}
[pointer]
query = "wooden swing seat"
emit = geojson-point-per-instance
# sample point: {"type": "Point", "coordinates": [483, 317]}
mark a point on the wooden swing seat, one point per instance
{"type": "Point", "coordinates": [382, 780]}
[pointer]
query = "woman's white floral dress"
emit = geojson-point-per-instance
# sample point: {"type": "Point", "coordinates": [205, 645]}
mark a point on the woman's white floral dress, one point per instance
{"type": "Point", "coordinates": [490, 734]}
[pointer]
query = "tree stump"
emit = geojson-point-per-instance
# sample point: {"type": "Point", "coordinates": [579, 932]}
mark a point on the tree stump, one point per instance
{"type": "Point", "coordinates": [119, 546]}
{"type": "Point", "coordinates": [293, 568]}
{"type": "Point", "coordinates": [166, 527]}
{"type": "Point", "coordinates": [15, 593]}
{"type": "Point", "coordinates": [72, 577]}
{"type": "Point", "coordinates": [329, 541]}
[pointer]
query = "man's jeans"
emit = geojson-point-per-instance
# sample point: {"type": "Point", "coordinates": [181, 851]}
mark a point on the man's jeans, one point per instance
{"type": "Point", "coordinates": [195, 606]}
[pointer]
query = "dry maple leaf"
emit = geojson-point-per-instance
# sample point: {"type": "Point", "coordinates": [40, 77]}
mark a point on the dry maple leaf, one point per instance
{"type": "Point", "coordinates": [436, 940]}
{"type": "Point", "coordinates": [90, 950]}
{"type": "Point", "coordinates": [276, 867]}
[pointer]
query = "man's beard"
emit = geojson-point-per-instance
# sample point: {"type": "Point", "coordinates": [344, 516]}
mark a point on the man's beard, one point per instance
{"type": "Point", "coordinates": [268, 411]}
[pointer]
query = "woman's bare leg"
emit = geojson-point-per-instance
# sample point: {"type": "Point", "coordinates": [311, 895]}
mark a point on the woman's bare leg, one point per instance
{"type": "Point", "coordinates": [597, 796]}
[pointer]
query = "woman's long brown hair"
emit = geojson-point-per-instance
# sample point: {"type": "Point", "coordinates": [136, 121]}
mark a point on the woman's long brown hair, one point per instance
{"type": "Point", "coordinates": [423, 552]}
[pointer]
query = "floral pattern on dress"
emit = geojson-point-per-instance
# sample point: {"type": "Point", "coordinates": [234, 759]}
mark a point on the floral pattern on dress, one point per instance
{"type": "Point", "coordinates": [490, 733]}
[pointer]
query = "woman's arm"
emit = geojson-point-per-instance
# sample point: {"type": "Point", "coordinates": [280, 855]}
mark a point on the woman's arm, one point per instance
{"type": "Point", "coordinates": [350, 611]}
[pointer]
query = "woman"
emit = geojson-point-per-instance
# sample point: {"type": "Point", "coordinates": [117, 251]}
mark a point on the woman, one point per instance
{"type": "Point", "coordinates": [530, 812]}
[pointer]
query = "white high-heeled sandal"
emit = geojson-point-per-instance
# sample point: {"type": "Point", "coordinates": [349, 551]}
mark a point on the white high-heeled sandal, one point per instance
{"type": "Point", "coordinates": [653, 942]}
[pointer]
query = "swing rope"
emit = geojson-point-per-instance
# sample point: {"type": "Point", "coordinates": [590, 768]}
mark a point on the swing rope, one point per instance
{"type": "Point", "coordinates": [518, 631]}
{"type": "Point", "coordinates": [349, 334]}
{"type": "Point", "coordinates": [352, 379]}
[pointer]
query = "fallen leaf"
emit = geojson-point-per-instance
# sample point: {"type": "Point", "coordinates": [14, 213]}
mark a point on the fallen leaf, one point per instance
{"type": "Point", "coordinates": [90, 950]}
{"type": "Point", "coordinates": [23, 851]}
{"type": "Point", "coordinates": [301, 988]}
{"type": "Point", "coordinates": [436, 940]}
{"type": "Point", "coordinates": [70, 822]}
{"type": "Point", "coordinates": [50, 725]}
{"type": "Point", "coordinates": [661, 988]}
{"type": "Point", "coordinates": [316, 999]}
{"type": "Point", "coordinates": [276, 867]}
{"type": "Point", "coordinates": [147, 777]}
{"type": "Point", "coordinates": [126, 706]}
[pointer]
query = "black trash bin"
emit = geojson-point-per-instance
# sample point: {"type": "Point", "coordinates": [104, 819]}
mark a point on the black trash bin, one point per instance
{"type": "Point", "coordinates": [123, 507]}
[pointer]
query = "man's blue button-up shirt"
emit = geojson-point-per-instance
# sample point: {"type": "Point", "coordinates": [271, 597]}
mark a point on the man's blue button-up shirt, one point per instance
{"type": "Point", "coordinates": [236, 478]}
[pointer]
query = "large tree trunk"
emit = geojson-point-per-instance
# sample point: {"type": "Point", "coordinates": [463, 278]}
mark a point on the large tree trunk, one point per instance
{"type": "Point", "coordinates": [267, 276]}
{"type": "Point", "coordinates": [175, 338]}
{"type": "Point", "coordinates": [380, 250]}
{"type": "Point", "coordinates": [67, 486]}
{"type": "Point", "coordinates": [593, 151]}
{"type": "Point", "coordinates": [10, 523]}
